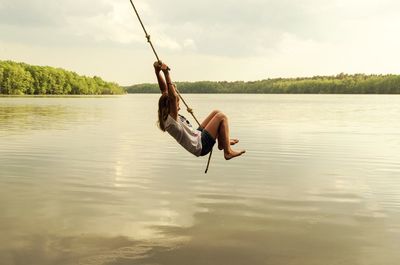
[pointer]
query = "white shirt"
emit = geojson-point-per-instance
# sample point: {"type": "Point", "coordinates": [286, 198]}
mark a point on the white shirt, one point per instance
{"type": "Point", "coordinates": [184, 134]}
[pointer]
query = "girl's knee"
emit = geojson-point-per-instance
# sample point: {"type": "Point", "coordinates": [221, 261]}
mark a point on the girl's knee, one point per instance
{"type": "Point", "coordinates": [221, 116]}
{"type": "Point", "coordinates": [215, 112]}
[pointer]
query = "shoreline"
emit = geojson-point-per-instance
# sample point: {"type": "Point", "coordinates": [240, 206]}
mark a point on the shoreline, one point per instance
{"type": "Point", "coordinates": [59, 96]}
{"type": "Point", "coordinates": [192, 93]}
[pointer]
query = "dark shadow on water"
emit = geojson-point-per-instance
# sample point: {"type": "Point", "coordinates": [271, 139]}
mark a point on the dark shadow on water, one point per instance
{"type": "Point", "coordinates": [90, 250]}
{"type": "Point", "coordinates": [236, 233]}
{"type": "Point", "coordinates": [223, 233]}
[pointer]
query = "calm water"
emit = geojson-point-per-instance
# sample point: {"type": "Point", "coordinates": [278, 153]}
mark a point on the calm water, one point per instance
{"type": "Point", "coordinates": [93, 181]}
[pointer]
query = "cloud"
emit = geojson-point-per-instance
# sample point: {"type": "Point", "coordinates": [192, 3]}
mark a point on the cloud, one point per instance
{"type": "Point", "coordinates": [237, 28]}
{"type": "Point", "coordinates": [263, 37]}
{"type": "Point", "coordinates": [189, 44]}
{"type": "Point", "coordinates": [224, 28]}
{"type": "Point", "coordinates": [35, 13]}
{"type": "Point", "coordinates": [88, 21]}
{"type": "Point", "coordinates": [104, 26]}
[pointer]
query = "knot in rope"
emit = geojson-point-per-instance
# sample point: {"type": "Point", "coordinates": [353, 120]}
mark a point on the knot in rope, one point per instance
{"type": "Point", "coordinates": [148, 38]}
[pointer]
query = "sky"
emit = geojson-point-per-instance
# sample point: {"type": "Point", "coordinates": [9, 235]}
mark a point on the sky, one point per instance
{"type": "Point", "coordinates": [218, 40]}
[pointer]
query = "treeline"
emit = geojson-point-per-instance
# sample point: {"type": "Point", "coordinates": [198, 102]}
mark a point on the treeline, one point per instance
{"type": "Point", "coordinates": [339, 84]}
{"type": "Point", "coordinates": [24, 79]}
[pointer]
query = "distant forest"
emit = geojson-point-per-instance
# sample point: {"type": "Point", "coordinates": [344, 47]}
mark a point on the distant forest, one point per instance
{"type": "Point", "coordinates": [339, 84]}
{"type": "Point", "coordinates": [24, 79]}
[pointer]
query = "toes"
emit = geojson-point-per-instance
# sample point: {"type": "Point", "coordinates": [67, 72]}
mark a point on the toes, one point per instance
{"type": "Point", "coordinates": [234, 141]}
{"type": "Point", "coordinates": [234, 154]}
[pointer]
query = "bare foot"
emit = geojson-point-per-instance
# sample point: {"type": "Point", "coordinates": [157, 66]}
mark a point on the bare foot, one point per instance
{"type": "Point", "coordinates": [234, 141]}
{"type": "Point", "coordinates": [233, 154]}
{"type": "Point", "coordinates": [231, 142]}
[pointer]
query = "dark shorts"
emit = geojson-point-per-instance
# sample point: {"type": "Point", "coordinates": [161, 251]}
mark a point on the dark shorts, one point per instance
{"type": "Point", "coordinates": [207, 141]}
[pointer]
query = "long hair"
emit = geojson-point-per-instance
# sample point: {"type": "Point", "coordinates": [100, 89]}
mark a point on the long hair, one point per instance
{"type": "Point", "coordinates": [163, 110]}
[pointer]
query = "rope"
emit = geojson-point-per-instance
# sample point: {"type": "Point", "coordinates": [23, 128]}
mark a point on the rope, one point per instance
{"type": "Point", "coordinates": [190, 110]}
{"type": "Point", "coordinates": [144, 29]}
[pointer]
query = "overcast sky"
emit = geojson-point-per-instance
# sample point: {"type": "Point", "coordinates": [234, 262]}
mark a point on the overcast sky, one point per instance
{"type": "Point", "coordinates": [204, 40]}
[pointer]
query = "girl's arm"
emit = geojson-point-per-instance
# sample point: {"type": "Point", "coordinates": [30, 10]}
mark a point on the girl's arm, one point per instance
{"type": "Point", "coordinates": [170, 85]}
{"type": "Point", "coordinates": [172, 94]}
{"type": "Point", "coordinates": [161, 82]}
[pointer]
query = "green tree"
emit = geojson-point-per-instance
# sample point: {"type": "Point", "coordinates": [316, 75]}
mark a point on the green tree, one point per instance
{"type": "Point", "coordinates": [15, 81]}
{"type": "Point", "coordinates": [1, 79]}
{"type": "Point", "coordinates": [21, 78]}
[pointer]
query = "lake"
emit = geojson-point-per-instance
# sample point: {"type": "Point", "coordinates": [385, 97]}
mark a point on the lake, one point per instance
{"type": "Point", "coordinates": [92, 180]}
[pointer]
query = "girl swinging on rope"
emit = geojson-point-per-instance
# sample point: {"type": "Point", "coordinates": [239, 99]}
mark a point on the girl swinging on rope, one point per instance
{"type": "Point", "coordinates": [198, 142]}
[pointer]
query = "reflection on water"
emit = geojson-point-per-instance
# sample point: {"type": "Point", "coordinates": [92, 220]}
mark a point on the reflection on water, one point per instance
{"type": "Point", "coordinates": [18, 115]}
{"type": "Point", "coordinates": [93, 181]}
{"type": "Point", "coordinates": [16, 119]}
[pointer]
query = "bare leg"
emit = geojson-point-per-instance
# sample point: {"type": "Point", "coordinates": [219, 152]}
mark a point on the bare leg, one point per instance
{"type": "Point", "coordinates": [219, 129]}
{"type": "Point", "coordinates": [208, 119]}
